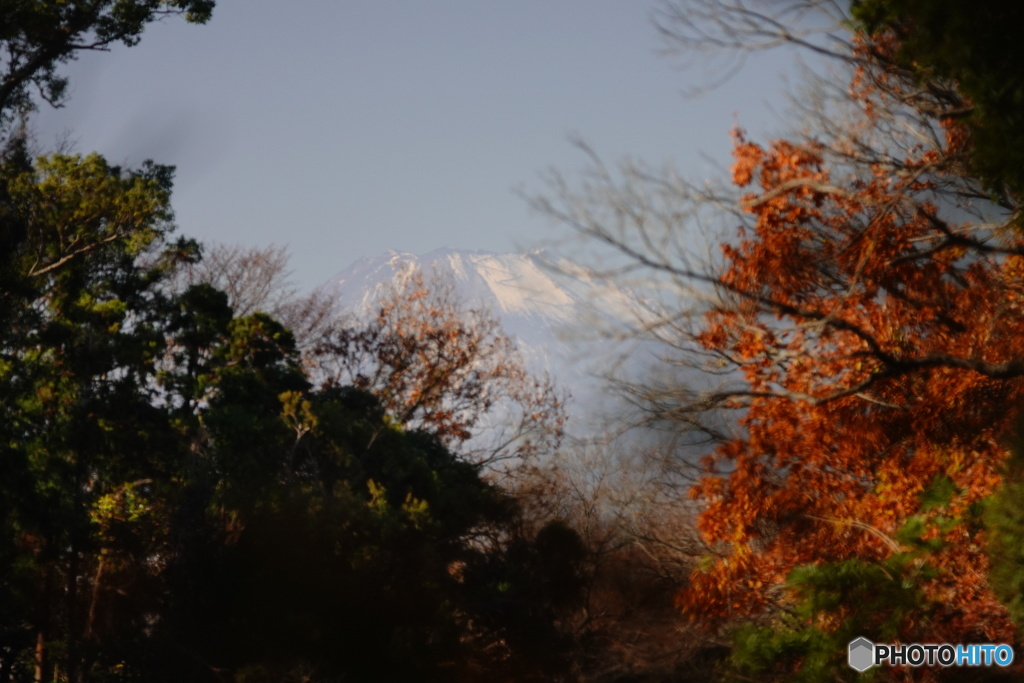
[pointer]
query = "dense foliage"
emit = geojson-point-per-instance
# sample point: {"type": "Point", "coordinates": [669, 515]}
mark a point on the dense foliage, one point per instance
{"type": "Point", "coordinates": [179, 503]}
{"type": "Point", "coordinates": [864, 319]}
{"type": "Point", "coordinates": [187, 492]}
{"type": "Point", "coordinates": [177, 500]}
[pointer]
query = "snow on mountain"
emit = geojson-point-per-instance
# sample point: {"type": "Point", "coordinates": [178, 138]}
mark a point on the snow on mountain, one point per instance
{"type": "Point", "coordinates": [514, 284]}
{"type": "Point", "coordinates": [551, 309]}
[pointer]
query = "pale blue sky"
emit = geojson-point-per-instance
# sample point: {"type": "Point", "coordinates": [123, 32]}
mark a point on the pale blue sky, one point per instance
{"type": "Point", "coordinates": [345, 128]}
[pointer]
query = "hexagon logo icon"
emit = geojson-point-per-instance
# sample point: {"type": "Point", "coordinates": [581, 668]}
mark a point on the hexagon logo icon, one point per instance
{"type": "Point", "coordinates": [862, 654]}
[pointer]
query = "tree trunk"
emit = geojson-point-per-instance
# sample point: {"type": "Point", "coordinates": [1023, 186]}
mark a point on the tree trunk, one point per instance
{"type": "Point", "coordinates": [40, 657]}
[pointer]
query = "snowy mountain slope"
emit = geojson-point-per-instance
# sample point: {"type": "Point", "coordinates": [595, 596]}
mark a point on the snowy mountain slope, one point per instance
{"type": "Point", "coordinates": [513, 285]}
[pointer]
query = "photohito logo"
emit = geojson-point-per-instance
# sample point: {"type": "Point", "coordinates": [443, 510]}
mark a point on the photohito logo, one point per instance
{"type": "Point", "coordinates": [863, 654]}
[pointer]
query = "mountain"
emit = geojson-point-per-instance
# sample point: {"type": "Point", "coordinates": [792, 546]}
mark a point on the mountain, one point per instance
{"type": "Point", "coordinates": [552, 308]}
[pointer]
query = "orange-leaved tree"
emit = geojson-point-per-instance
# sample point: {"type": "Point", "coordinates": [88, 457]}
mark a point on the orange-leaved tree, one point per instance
{"type": "Point", "coordinates": [874, 304]}
{"type": "Point", "coordinates": [867, 319]}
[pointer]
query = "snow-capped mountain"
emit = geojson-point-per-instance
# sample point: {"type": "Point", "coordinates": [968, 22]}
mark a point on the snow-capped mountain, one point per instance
{"type": "Point", "coordinates": [515, 286]}
{"type": "Point", "coordinates": [551, 308]}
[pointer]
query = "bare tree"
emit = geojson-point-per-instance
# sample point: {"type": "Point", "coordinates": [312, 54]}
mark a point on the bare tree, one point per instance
{"type": "Point", "coordinates": [259, 279]}
{"type": "Point", "coordinates": [641, 544]}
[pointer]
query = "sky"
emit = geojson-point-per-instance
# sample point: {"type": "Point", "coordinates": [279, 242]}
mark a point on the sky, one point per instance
{"type": "Point", "coordinates": [345, 128]}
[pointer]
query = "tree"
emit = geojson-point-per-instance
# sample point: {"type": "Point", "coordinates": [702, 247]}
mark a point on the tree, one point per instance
{"type": "Point", "coordinates": [82, 330]}
{"type": "Point", "coordinates": [435, 362]}
{"type": "Point", "coordinates": [177, 500]}
{"type": "Point", "coordinates": [966, 54]}
{"type": "Point", "coordinates": [639, 543]}
{"type": "Point", "coordinates": [38, 36]}
{"type": "Point", "coordinates": [438, 365]}
{"type": "Point", "coordinates": [1004, 522]}
{"type": "Point", "coordinates": [258, 279]}
{"type": "Point", "coordinates": [865, 315]}
{"type": "Point", "coordinates": [84, 248]}
{"type": "Point", "coordinates": [338, 558]}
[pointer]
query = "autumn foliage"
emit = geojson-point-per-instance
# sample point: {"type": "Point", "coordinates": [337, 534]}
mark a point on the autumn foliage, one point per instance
{"type": "Point", "coordinates": [876, 321]}
{"type": "Point", "coordinates": [439, 364]}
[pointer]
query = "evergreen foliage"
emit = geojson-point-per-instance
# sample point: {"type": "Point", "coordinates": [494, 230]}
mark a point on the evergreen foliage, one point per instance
{"type": "Point", "coordinates": [965, 52]}
{"type": "Point", "coordinates": [1004, 525]}
{"type": "Point", "coordinates": [177, 501]}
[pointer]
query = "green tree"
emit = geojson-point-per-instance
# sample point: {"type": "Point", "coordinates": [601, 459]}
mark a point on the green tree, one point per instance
{"type": "Point", "coordinates": [38, 36]}
{"type": "Point", "coordinates": [84, 439]}
{"type": "Point", "coordinates": [968, 56]}
{"type": "Point", "coordinates": [1004, 519]}
{"type": "Point", "coordinates": [177, 502]}
{"type": "Point", "coordinates": [340, 562]}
